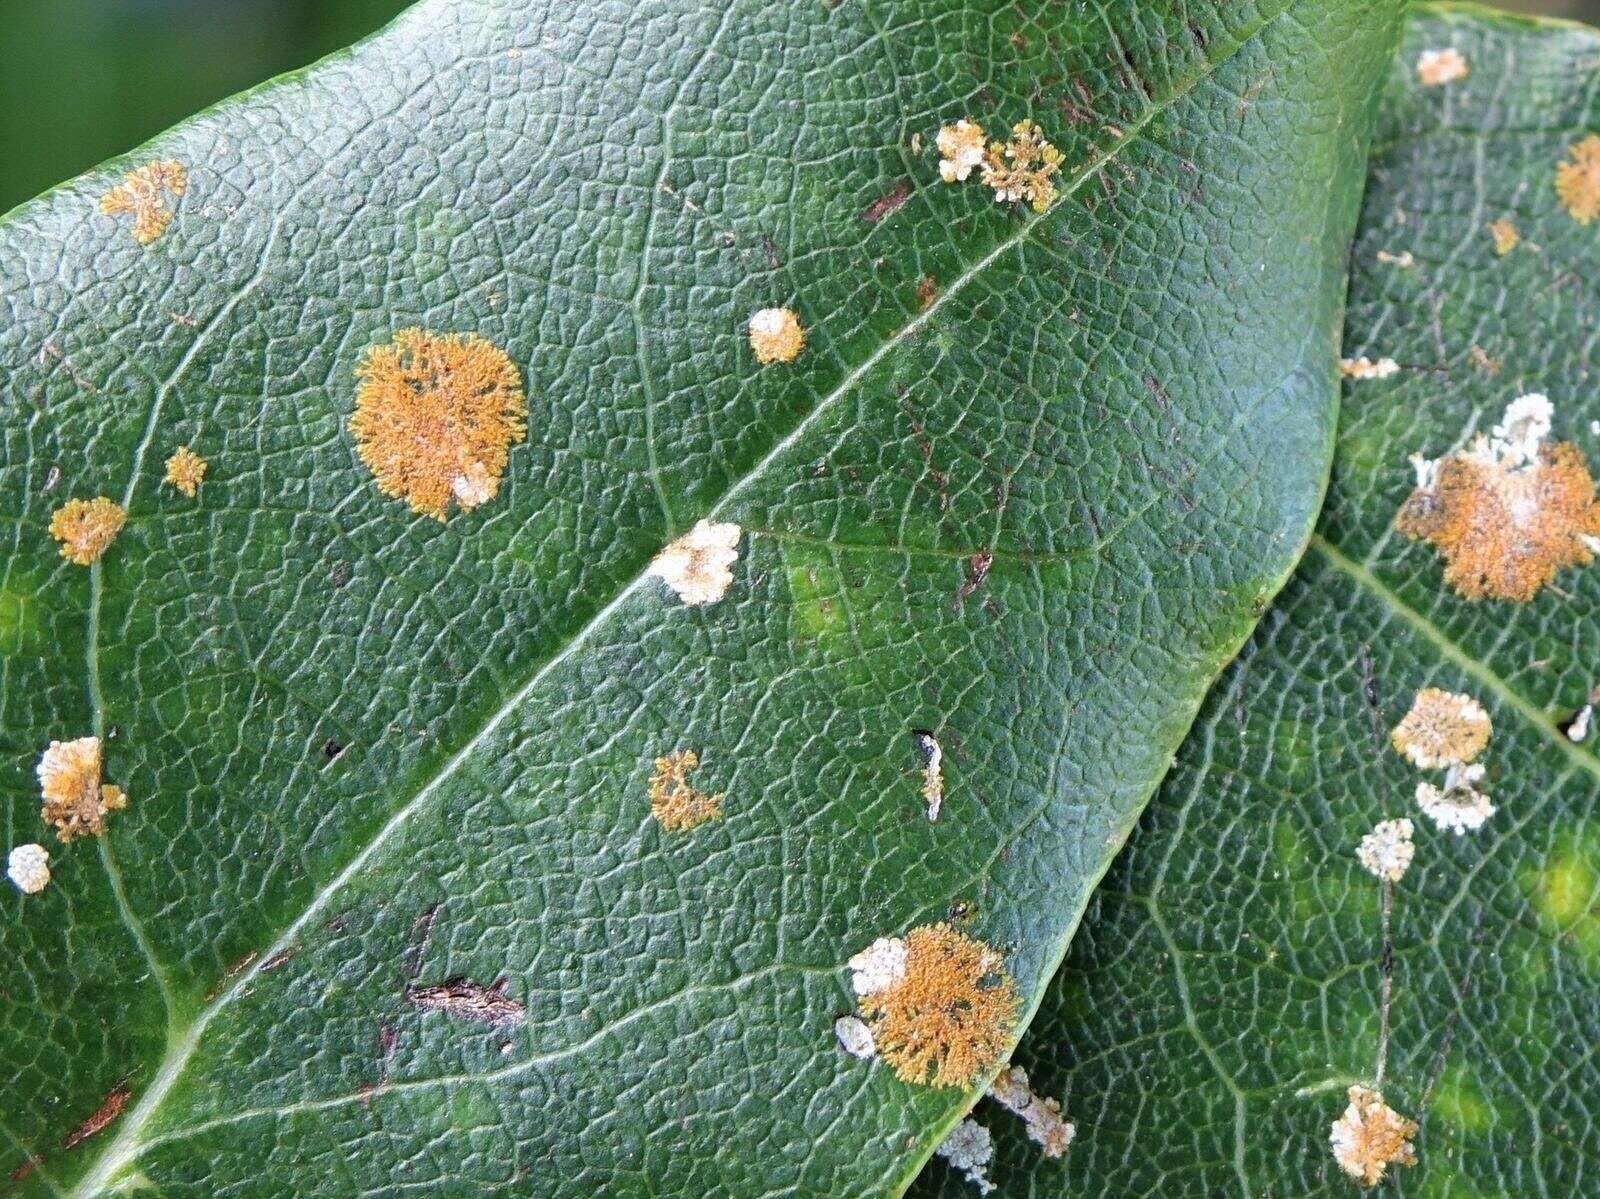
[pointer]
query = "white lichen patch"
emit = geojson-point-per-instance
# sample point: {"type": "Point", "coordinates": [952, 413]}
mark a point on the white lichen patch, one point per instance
{"type": "Point", "coordinates": [932, 756]}
{"type": "Point", "coordinates": [28, 868]}
{"type": "Point", "coordinates": [1443, 728]}
{"type": "Point", "coordinates": [75, 801]}
{"type": "Point", "coordinates": [879, 966]}
{"type": "Point", "coordinates": [1404, 260]}
{"type": "Point", "coordinates": [1370, 1137]}
{"type": "Point", "coordinates": [1578, 730]}
{"type": "Point", "coordinates": [855, 1038]}
{"type": "Point", "coordinates": [776, 335]}
{"type": "Point", "coordinates": [1363, 368]}
{"type": "Point", "coordinates": [970, 1149]}
{"type": "Point", "coordinates": [1435, 68]}
{"type": "Point", "coordinates": [961, 149]}
{"type": "Point", "coordinates": [698, 565]}
{"type": "Point", "coordinates": [1459, 806]}
{"type": "Point", "coordinates": [1041, 1117]}
{"type": "Point", "coordinates": [1386, 851]}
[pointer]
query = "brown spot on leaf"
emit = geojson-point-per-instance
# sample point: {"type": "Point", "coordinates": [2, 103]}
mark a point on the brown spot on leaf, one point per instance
{"type": "Point", "coordinates": [887, 203]}
{"type": "Point", "coordinates": [108, 1111]}
{"type": "Point", "coordinates": [977, 570]}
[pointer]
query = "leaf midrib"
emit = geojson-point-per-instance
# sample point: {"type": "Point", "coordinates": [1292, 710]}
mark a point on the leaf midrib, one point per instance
{"type": "Point", "coordinates": [125, 1147]}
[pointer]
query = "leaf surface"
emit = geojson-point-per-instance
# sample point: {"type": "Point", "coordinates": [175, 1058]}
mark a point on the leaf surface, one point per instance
{"type": "Point", "coordinates": [1223, 989]}
{"type": "Point", "coordinates": [1028, 486]}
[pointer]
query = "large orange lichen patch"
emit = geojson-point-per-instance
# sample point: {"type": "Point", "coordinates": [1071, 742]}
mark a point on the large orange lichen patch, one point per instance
{"type": "Point", "coordinates": [436, 415]}
{"type": "Point", "coordinates": [1578, 181]}
{"type": "Point", "coordinates": [86, 527]}
{"type": "Point", "coordinates": [75, 801]}
{"type": "Point", "coordinates": [940, 1005]}
{"type": "Point", "coordinates": [1510, 512]}
{"type": "Point", "coordinates": [143, 194]}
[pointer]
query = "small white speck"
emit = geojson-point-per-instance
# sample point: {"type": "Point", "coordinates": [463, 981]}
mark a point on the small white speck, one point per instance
{"type": "Point", "coordinates": [1403, 260]}
{"type": "Point", "coordinates": [1578, 730]}
{"type": "Point", "coordinates": [1364, 368]}
{"type": "Point", "coordinates": [29, 868]}
{"type": "Point", "coordinates": [1459, 806]}
{"type": "Point", "coordinates": [1438, 67]}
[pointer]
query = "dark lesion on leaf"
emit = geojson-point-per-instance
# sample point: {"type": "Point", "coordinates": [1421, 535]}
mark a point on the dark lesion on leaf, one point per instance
{"type": "Point", "coordinates": [109, 1109]}
{"type": "Point", "coordinates": [463, 999]}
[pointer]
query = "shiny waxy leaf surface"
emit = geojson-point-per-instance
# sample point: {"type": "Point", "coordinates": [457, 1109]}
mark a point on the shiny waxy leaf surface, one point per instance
{"type": "Point", "coordinates": [1028, 486]}
{"type": "Point", "coordinates": [1222, 992]}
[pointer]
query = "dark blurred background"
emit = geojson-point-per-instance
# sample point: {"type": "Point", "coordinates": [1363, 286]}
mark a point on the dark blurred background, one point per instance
{"type": "Point", "coordinates": [81, 80]}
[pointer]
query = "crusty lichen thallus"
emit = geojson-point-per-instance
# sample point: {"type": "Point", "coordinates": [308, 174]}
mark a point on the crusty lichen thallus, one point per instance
{"type": "Point", "coordinates": [186, 470]}
{"type": "Point", "coordinates": [86, 528]}
{"type": "Point", "coordinates": [76, 802]}
{"type": "Point", "coordinates": [436, 415]}
{"type": "Point", "coordinates": [675, 803]}
{"type": "Point", "coordinates": [143, 195]}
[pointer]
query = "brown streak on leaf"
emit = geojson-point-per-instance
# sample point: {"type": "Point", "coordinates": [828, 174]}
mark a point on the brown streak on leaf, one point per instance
{"type": "Point", "coordinates": [886, 204]}
{"type": "Point", "coordinates": [463, 999]}
{"type": "Point", "coordinates": [108, 1111]}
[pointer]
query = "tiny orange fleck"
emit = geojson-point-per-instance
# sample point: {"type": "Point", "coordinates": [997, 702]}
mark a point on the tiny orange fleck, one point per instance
{"type": "Point", "coordinates": [185, 471]}
{"type": "Point", "coordinates": [1578, 180]}
{"type": "Point", "coordinates": [1505, 236]}
{"type": "Point", "coordinates": [674, 802]}
{"type": "Point", "coordinates": [75, 801]}
{"type": "Point", "coordinates": [143, 193]}
{"type": "Point", "coordinates": [947, 1017]}
{"type": "Point", "coordinates": [436, 415]}
{"type": "Point", "coordinates": [776, 335]}
{"type": "Point", "coordinates": [86, 527]}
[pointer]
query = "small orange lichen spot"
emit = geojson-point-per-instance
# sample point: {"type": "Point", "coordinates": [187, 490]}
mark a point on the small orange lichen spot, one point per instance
{"type": "Point", "coordinates": [1505, 236]}
{"type": "Point", "coordinates": [1438, 67]}
{"type": "Point", "coordinates": [945, 1015]}
{"type": "Point", "coordinates": [1509, 512]}
{"type": "Point", "coordinates": [186, 470]}
{"type": "Point", "coordinates": [75, 801]}
{"type": "Point", "coordinates": [1364, 368]}
{"type": "Point", "coordinates": [1443, 728]}
{"type": "Point", "coordinates": [960, 150]}
{"type": "Point", "coordinates": [436, 415]}
{"type": "Point", "coordinates": [1481, 360]}
{"type": "Point", "coordinates": [86, 527]}
{"type": "Point", "coordinates": [1405, 260]}
{"type": "Point", "coordinates": [776, 335]}
{"type": "Point", "coordinates": [1023, 168]}
{"type": "Point", "coordinates": [143, 193]}
{"type": "Point", "coordinates": [1578, 180]}
{"type": "Point", "coordinates": [675, 804]}
{"type": "Point", "coordinates": [1370, 1137]}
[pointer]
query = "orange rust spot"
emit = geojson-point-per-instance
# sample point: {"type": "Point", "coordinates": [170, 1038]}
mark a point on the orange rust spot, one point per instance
{"type": "Point", "coordinates": [674, 802]}
{"type": "Point", "coordinates": [143, 193]}
{"type": "Point", "coordinates": [1578, 181]}
{"type": "Point", "coordinates": [186, 470]}
{"type": "Point", "coordinates": [104, 1115]}
{"type": "Point", "coordinates": [85, 528]}
{"type": "Point", "coordinates": [1506, 533]}
{"type": "Point", "coordinates": [948, 1017]}
{"type": "Point", "coordinates": [1505, 236]}
{"type": "Point", "coordinates": [436, 415]}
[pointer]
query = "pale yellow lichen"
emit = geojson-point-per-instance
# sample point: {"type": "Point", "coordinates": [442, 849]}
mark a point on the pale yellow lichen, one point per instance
{"type": "Point", "coordinates": [1364, 368]}
{"type": "Point", "coordinates": [75, 801]}
{"type": "Point", "coordinates": [186, 470]}
{"type": "Point", "coordinates": [961, 149]}
{"type": "Point", "coordinates": [674, 802]}
{"type": "Point", "coordinates": [436, 415]}
{"type": "Point", "coordinates": [1578, 180]}
{"type": "Point", "coordinates": [945, 1018]}
{"type": "Point", "coordinates": [698, 565]}
{"type": "Point", "coordinates": [1505, 236]}
{"type": "Point", "coordinates": [1443, 728]}
{"type": "Point", "coordinates": [1370, 1137]}
{"type": "Point", "coordinates": [1438, 67]}
{"type": "Point", "coordinates": [1405, 260]}
{"type": "Point", "coordinates": [1023, 168]}
{"type": "Point", "coordinates": [85, 528]}
{"type": "Point", "coordinates": [143, 193]}
{"type": "Point", "coordinates": [1386, 851]}
{"type": "Point", "coordinates": [776, 335]}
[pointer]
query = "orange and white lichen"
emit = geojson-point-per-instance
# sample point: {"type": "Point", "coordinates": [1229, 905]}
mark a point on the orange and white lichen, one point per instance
{"type": "Point", "coordinates": [1024, 168]}
{"type": "Point", "coordinates": [436, 416]}
{"type": "Point", "coordinates": [1405, 260]}
{"type": "Point", "coordinates": [932, 756]}
{"type": "Point", "coordinates": [1435, 68]}
{"type": "Point", "coordinates": [85, 528]}
{"type": "Point", "coordinates": [961, 149]}
{"type": "Point", "coordinates": [1578, 180]}
{"type": "Point", "coordinates": [940, 1005]}
{"type": "Point", "coordinates": [776, 335]}
{"type": "Point", "coordinates": [699, 565]}
{"type": "Point", "coordinates": [1386, 851]}
{"type": "Point", "coordinates": [1365, 368]}
{"type": "Point", "coordinates": [1505, 236]}
{"type": "Point", "coordinates": [1509, 512]}
{"type": "Point", "coordinates": [1370, 1137]}
{"type": "Point", "coordinates": [1041, 1117]}
{"type": "Point", "coordinates": [28, 868]}
{"type": "Point", "coordinates": [969, 1148]}
{"type": "Point", "coordinates": [143, 195]}
{"type": "Point", "coordinates": [674, 801]}
{"type": "Point", "coordinates": [1458, 806]}
{"type": "Point", "coordinates": [76, 802]}
{"type": "Point", "coordinates": [186, 470]}
{"type": "Point", "coordinates": [1443, 728]}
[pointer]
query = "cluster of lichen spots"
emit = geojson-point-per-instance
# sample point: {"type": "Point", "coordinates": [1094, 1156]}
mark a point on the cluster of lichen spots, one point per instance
{"type": "Point", "coordinates": [1024, 169]}
{"type": "Point", "coordinates": [776, 335]}
{"type": "Point", "coordinates": [76, 803]}
{"type": "Point", "coordinates": [436, 416]}
{"type": "Point", "coordinates": [1443, 728]}
{"type": "Point", "coordinates": [1578, 181]}
{"type": "Point", "coordinates": [85, 528]}
{"type": "Point", "coordinates": [1370, 1137]}
{"type": "Point", "coordinates": [186, 470]}
{"type": "Point", "coordinates": [143, 194]}
{"type": "Point", "coordinates": [674, 801]}
{"type": "Point", "coordinates": [940, 1005]}
{"type": "Point", "coordinates": [1510, 512]}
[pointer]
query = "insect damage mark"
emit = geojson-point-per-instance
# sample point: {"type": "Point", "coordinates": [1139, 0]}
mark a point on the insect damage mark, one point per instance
{"type": "Point", "coordinates": [463, 999]}
{"type": "Point", "coordinates": [103, 1115]}
{"type": "Point", "coordinates": [977, 569]}
{"type": "Point", "coordinates": [886, 204]}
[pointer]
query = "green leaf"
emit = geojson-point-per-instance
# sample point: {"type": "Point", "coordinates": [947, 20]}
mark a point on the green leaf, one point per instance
{"type": "Point", "coordinates": [369, 753]}
{"type": "Point", "coordinates": [1223, 991]}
